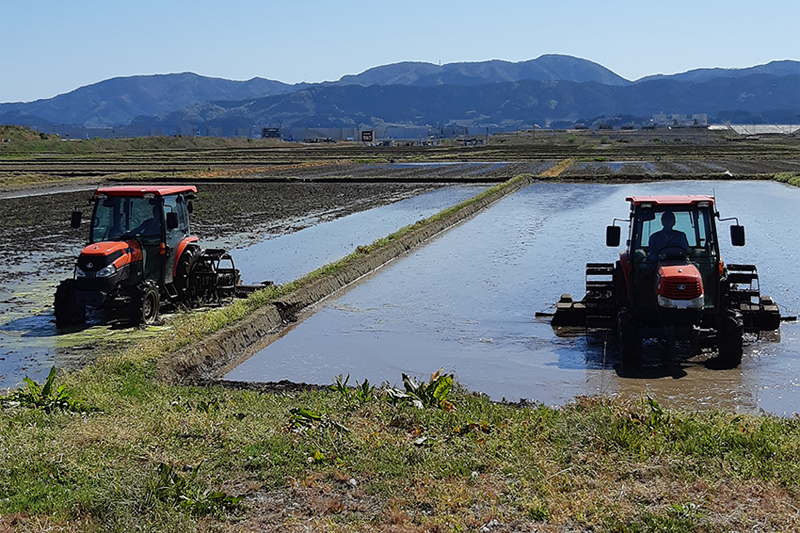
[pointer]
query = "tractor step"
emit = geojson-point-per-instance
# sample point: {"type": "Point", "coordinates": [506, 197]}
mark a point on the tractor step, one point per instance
{"type": "Point", "coordinates": [599, 269]}
{"type": "Point", "coordinates": [599, 285]}
{"type": "Point", "coordinates": [599, 299]}
{"type": "Point", "coordinates": [742, 277]}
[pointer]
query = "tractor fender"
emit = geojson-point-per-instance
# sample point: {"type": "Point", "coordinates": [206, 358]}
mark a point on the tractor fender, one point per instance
{"type": "Point", "coordinates": [179, 252]}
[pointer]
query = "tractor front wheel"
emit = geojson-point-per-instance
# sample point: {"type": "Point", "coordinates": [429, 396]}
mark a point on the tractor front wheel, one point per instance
{"type": "Point", "coordinates": [68, 312]}
{"type": "Point", "coordinates": [145, 306]}
{"type": "Point", "coordinates": [730, 339]}
{"type": "Point", "coordinates": [630, 344]}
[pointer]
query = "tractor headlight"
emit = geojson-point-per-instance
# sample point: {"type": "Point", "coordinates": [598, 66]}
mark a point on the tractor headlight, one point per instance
{"type": "Point", "coordinates": [79, 273]}
{"type": "Point", "coordinates": [105, 272]}
{"type": "Point", "coordinates": [669, 303]}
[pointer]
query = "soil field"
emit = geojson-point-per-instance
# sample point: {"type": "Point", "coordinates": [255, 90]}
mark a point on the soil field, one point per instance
{"type": "Point", "coordinates": [39, 249]}
{"type": "Point", "coordinates": [154, 456]}
{"type": "Point", "coordinates": [164, 155]}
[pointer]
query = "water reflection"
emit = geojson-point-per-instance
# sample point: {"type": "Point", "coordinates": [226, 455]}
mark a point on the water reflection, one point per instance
{"type": "Point", "coordinates": [30, 344]}
{"type": "Point", "coordinates": [466, 302]}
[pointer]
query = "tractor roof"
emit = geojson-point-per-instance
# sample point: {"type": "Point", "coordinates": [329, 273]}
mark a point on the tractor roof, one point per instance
{"type": "Point", "coordinates": [156, 190]}
{"type": "Point", "coordinates": [686, 199]}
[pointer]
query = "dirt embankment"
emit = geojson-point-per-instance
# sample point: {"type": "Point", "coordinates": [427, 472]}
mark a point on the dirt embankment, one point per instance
{"type": "Point", "coordinates": [207, 359]}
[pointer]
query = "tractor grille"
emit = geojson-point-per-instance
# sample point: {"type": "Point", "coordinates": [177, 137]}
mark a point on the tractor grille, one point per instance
{"type": "Point", "coordinates": [685, 289]}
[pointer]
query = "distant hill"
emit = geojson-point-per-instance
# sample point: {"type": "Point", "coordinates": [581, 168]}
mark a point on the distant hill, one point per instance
{"type": "Point", "coordinates": [786, 67]}
{"type": "Point", "coordinates": [546, 67]}
{"type": "Point", "coordinates": [489, 93]}
{"type": "Point", "coordinates": [120, 100]}
{"type": "Point", "coordinates": [506, 104]}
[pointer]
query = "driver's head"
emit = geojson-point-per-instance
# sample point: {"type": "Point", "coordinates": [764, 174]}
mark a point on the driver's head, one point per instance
{"type": "Point", "coordinates": [668, 219]}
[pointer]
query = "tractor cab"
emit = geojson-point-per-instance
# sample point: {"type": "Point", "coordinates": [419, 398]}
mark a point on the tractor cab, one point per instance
{"type": "Point", "coordinates": [672, 257]}
{"type": "Point", "coordinates": [670, 283]}
{"type": "Point", "coordinates": [140, 254]}
{"type": "Point", "coordinates": [156, 219]}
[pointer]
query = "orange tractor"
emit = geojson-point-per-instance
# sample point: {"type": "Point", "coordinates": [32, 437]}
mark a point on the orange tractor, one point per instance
{"type": "Point", "coordinates": [141, 255]}
{"type": "Point", "coordinates": [670, 283]}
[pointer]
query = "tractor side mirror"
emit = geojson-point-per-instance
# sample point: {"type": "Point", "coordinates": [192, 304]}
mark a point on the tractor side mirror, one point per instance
{"type": "Point", "coordinates": [737, 235]}
{"type": "Point", "coordinates": [75, 220]}
{"type": "Point", "coordinates": [613, 235]}
{"type": "Point", "coordinates": [190, 206]}
{"type": "Point", "coordinates": [172, 220]}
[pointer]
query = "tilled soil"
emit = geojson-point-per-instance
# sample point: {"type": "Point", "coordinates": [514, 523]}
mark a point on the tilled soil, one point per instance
{"type": "Point", "coordinates": [40, 248]}
{"type": "Point", "coordinates": [40, 222]}
{"type": "Point", "coordinates": [681, 169]}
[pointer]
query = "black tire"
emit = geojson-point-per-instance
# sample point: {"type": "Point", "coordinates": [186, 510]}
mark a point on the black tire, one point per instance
{"type": "Point", "coordinates": [185, 265]}
{"type": "Point", "coordinates": [730, 339]}
{"type": "Point", "coordinates": [66, 310]}
{"type": "Point", "coordinates": [145, 306]}
{"type": "Point", "coordinates": [629, 342]}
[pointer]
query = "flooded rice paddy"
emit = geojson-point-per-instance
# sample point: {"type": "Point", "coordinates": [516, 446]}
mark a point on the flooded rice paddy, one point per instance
{"type": "Point", "coordinates": [286, 257]}
{"type": "Point", "coordinates": [39, 250]}
{"type": "Point", "coordinates": [467, 302]}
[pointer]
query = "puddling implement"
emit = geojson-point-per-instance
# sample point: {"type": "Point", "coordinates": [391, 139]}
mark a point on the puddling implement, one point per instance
{"type": "Point", "coordinates": [671, 283]}
{"type": "Point", "coordinates": [141, 255]}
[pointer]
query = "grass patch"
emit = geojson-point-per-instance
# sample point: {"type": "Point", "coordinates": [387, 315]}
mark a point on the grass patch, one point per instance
{"type": "Point", "coordinates": [430, 456]}
{"type": "Point", "coordinates": [29, 179]}
{"type": "Point", "coordinates": [189, 457]}
{"type": "Point", "coordinates": [788, 177]}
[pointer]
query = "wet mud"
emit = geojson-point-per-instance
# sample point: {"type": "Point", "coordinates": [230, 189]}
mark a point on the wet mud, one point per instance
{"type": "Point", "coordinates": [39, 249]}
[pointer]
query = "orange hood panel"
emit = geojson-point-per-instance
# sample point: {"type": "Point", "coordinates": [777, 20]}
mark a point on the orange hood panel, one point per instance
{"type": "Point", "coordinates": [679, 281]}
{"type": "Point", "coordinates": [130, 251]}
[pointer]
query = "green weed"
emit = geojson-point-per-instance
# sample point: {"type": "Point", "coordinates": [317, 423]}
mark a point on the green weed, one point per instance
{"type": "Point", "coordinates": [171, 487]}
{"type": "Point", "coordinates": [46, 397]}
{"type": "Point", "coordinates": [788, 177]}
{"type": "Point", "coordinates": [358, 395]}
{"type": "Point", "coordinates": [302, 417]}
{"type": "Point", "coordinates": [431, 394]}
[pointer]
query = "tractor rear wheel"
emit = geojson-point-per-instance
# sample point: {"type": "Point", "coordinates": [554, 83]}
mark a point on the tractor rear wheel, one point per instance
{"type": "Point", "coordinates": [730, 339]}
{"type": "Point", "coordinates": [183, 270]}
{"type": "Point", "coordinates": [630, 344]}
{"type": "Point", "coordinates": [68, 312]}
{"type": "Point", "coordinates": [145, 306]}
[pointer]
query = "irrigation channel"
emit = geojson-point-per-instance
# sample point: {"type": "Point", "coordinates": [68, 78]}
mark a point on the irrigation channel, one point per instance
{"type": "Point", "coordinates": [467, 301]}
{"type": "Point", "coordinates": [301, 228]}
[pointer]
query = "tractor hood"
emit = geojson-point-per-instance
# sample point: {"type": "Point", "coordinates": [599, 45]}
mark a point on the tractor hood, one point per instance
{"type": "Point", "coordinates": [100, 255]}
{"type": "Point", "coordinates": [679, 285]}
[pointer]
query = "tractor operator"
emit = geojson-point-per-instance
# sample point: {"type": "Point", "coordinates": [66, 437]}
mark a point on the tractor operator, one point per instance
{"type": "Point", "coordinates": [152, 226]}
{"type": "Point", "coordinates": [666, 238]}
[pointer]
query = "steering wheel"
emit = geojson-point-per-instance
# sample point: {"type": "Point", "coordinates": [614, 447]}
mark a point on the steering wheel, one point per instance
{"type": "Point", "coordinates": [672, 252]}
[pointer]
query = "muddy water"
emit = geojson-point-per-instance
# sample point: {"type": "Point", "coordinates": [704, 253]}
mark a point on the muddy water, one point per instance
{"type": "Point", "coordinates": [467, 300]}
{"type": "Point", "coordinates": [288, 257]}
{"type": "Point", "coordinates": [39, 250]}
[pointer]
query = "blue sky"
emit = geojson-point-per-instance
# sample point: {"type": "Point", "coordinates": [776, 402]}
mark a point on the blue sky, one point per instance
{"type": "Point", "coordinates": [51, 47]}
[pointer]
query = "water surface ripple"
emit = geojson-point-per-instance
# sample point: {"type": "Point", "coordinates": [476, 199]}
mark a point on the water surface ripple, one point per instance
{"type": "Point", "coordinates": [467, 300]}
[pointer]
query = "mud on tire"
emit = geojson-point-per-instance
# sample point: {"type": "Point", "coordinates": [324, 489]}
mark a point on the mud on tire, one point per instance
{"type": "Point", "coordinates": [67, 311]}
{"type": "Point", "coordinates": [629, 342]}
{"type": "Point", "coordinates": [145, 305]}
{"type": "Point", "coordinates": [730, 339]}
{"type": "Point", "coordinates": [185, 265]}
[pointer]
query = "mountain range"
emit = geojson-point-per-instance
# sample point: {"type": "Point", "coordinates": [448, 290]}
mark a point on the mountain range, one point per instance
{"type": "Point", "coordinates": [499, 94]}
